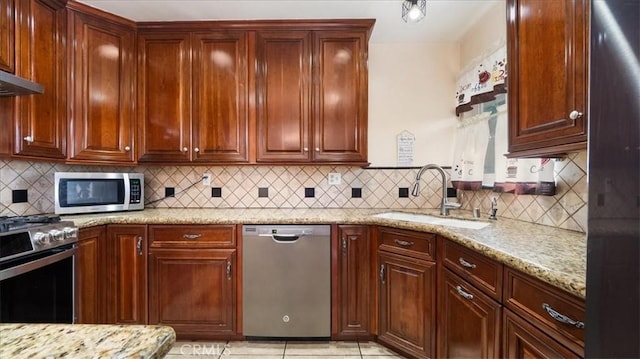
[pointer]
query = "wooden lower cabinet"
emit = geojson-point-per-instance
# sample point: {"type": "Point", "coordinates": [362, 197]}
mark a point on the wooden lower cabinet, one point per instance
{"type": "Point", "coordinates": [127, 274]}
{"type": "Point", "coordinates": [90, 274]}
{"type": "Point", "coordinates": [468, 320]}
{"type": "Point", "coordinates": [353, 303]}
{"type": "Point", "coordinates": [407, 304]}
{"type": "Point", "coordinates": [523, 340]}
{"type": "Point", "coordinates": [193, 291]}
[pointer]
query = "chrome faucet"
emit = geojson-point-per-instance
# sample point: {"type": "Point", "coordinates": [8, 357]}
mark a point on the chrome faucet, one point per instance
{"type": "Point", "coordinates": [444, 205]}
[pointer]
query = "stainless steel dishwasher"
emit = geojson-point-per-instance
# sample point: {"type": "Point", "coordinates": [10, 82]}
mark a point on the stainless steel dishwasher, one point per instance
{"type": "Point", "coordinates": [286, 281]}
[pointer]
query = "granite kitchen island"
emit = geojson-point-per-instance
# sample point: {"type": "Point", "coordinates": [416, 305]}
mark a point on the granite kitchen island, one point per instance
{"type": "Point", "coordinates": [85, 341]}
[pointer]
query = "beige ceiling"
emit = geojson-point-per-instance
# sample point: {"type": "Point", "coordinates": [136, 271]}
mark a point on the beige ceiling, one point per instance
{"type": "Point", "coordinates": [446, 20]}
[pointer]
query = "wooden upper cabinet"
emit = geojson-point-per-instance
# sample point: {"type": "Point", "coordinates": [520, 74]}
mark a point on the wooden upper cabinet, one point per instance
{"type": "Point", "coordinates": [193, 96]}
{"type": "Point", "coordinates": [7, 35]}
{"type": "Point", "coordinates": [41, 120]}
{"type": "Point", "coordinates": [341, 97]}
{"type": "Point", "coordinates": [220, 96]}
{"type": "Point", "coordinates": [548, 77]}
{"type": "Point", "coordinates": [102, 88]}
{"type": "Point", "coordinates": [164, 93]}
{"type": "Point", "coordinates": [283, 90]}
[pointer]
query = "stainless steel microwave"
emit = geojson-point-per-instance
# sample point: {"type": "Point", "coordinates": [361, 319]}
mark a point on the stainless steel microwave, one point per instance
{"type": "Point", "coordinates": [92, 192]}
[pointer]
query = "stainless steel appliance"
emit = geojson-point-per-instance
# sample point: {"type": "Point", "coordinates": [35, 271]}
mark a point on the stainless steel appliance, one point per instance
{"type": "Point", "coordinates": [37, 269]}
{"type": "Point", "coordinates": [86, 192]}
{"type": "Point", "coordinates": [286, 281]}
{"type": "Point", "coordinates": [613, 233]}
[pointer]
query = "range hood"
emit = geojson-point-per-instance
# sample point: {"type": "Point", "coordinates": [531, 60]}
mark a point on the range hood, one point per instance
{"type": "Point", "coordinates": [11, 85]}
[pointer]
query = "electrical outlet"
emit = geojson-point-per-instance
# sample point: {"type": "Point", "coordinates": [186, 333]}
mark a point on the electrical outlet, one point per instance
{"type": "Point", "coordinates": [335, 178]}
{"type": "Point", "coordinates": [206, 179]}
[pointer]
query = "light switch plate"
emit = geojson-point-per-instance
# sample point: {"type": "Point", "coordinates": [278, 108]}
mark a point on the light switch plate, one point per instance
{"type": "Point", "coordinates": [335, 178]}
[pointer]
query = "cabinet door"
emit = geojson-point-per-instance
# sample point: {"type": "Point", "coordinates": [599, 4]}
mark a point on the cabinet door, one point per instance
{"type": "Point", "coordinates": [220, 97]}
{"type": "Point", "coordinates": [283, 76]}
{"type": "Point", "coordinates": [353, 309]}
{"type": "Point", "coordinates": [7, 33]}
{"type": "Point", "coordinates": [6, 108]}
{"type": "Point", "coordinates": [41, 57]}
{"type": "Point", "coordinates": [90, 272]}
{"type": "Point", "coordinates": [523, 341]}
{"type": "Point", "coordinates": [340, 111]}
{"type": "Point", "coordinates": [193, 291]}
{"type": "Point", "coordinates": [468, 320]}
{"type": "Point", "coordinates": [548, 60]}
{"type": "Point", "coordinates": [407, 304]}
{"type": "Point", "coordinates": [127, 257]}
{"type": "Point", "coordinates": [102, 68]}
{"type": "Point", "coordinates": [164, 97]}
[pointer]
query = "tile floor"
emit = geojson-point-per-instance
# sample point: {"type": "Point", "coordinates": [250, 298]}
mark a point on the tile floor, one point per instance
{"type": "Point", "coordinates": [280, 349]}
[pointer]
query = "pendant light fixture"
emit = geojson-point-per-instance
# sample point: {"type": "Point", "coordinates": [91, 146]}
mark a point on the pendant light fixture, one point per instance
{"type": "Point", "coordinates": [413, 10]}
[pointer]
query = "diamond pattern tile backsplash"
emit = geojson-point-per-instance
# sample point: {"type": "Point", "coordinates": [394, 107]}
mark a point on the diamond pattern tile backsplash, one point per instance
{"type": "Point", "coordinates": [237, 187]}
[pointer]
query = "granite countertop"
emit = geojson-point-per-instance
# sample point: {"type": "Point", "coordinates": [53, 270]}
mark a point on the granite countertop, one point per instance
{"type": "Point", "coordinates": [85, 341]}
{"type": "Point", "coordinates": [556, 256]}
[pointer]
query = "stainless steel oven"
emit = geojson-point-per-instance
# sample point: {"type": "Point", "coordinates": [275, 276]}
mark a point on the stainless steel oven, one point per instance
{"type": "Point", "coordinates": [37, 260]}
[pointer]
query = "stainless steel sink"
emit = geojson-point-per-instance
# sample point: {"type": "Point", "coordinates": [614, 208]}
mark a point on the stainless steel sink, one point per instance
{"type": "Point", "coordinates": [427, 219]}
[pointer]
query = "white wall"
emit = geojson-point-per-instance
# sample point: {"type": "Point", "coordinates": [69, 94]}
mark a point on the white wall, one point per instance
{"type": "Point", "coordinates": [485, 35]}
{"type": "Point", "coordinates": [412, 88]}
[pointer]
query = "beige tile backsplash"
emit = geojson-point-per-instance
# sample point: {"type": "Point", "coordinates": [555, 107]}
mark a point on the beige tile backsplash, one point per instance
{"type": "Point", "coordinates": [239, 189]}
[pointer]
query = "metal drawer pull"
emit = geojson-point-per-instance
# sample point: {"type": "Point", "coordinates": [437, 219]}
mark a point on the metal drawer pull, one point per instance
{"type": "Point", "coordinates": [344, 245]}
{"type": "Point", "coordinates": [382, 273]}
{"type": "Point", "coordinates": [561, 317]}
{"type": "Point", "coordinates": [192, 236]}
{"type": "Point", "coordinates": [229, 269]}
{"type": "Point", "coordinates": [466, 264]}
{"type": "Point", "coordinates": [463, 293]}
{"type": "Point", "coordinates": [139, 245]}
{"type": "Point", "coordinates": [403, 243]}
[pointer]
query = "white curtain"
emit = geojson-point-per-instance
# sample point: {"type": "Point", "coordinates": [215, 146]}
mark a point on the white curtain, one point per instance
{"type": "Point", "coordinates": [469, 153]}
{"type": "Point", "coordinates": [482, 80]}
{"type": "Point", "coordinates": [520, 175]}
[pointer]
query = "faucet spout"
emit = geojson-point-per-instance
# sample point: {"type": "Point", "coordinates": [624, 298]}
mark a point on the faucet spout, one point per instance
{"type": "Point", "coordinates": [444, 205]}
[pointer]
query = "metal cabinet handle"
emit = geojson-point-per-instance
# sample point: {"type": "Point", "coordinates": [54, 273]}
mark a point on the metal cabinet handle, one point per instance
{"type": "Point", "coordinates": [462, 292]}
{"type": "Point", "coordinates": [306, 149]}
{"type": "Point", "coordinates": [561, 317]}
{"type": "Point", "coordinates": [184, 149]}
{"type": "Point", "coordinates": [127, 148]}
{"type": "Point", "coordinates": [317, 149]}
{"type": "Point", "coordinates": [196, 150]}
{"type": "Point", "coordinates": [229, 269]}
{"type": "Point", "coordinates": [344, 245]}
{"type": "Point", "coordinates": [29, 139]}
{"type": "Point", "coordinates": [192, 236]}
{"type": "Point", "coordinates": [574, 115]}
{"type": "Point", "coordinates": [382, 273]}
{"type": "Point", "coordinates": [466, 264]}
{"type": "Point", "coordinates": [139, 245]}
{"type": "Point", "coordinates": [403, 243]}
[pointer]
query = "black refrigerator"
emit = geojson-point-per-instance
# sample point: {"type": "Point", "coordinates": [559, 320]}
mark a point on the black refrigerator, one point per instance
{"type": "Point", "coordinates": [613, 234]}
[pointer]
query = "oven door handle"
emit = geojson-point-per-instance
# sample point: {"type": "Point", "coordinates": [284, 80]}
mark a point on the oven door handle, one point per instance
{"type": "Point", "coordinates": [27, 267]}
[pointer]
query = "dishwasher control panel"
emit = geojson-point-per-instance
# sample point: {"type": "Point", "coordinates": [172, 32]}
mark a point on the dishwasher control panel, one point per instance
{"type": "Point", "coordinates": [292, 230]}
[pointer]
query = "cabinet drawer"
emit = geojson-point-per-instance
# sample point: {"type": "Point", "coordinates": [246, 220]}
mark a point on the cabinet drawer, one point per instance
{"type": "Point", "coordinates": [556, 312]}
{"type": "Point", "coordinates": [188, 236]}
{"type": "Point", "coordinates": [481, 271]}
{"type": "Point", "coordinates": [410, 243]}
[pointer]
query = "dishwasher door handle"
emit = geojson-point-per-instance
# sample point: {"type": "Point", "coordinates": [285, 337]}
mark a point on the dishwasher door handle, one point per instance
{"type": "Point", "coordinates": [283, 238]}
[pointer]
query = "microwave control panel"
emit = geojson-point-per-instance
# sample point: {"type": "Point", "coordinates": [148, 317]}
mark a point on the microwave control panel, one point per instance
{"type": "Point", "coordinates": [135, 190]}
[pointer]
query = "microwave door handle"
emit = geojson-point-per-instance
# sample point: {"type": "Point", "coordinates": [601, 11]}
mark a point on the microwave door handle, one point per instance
{"type": "Point", "coordinates": [127, 191]}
